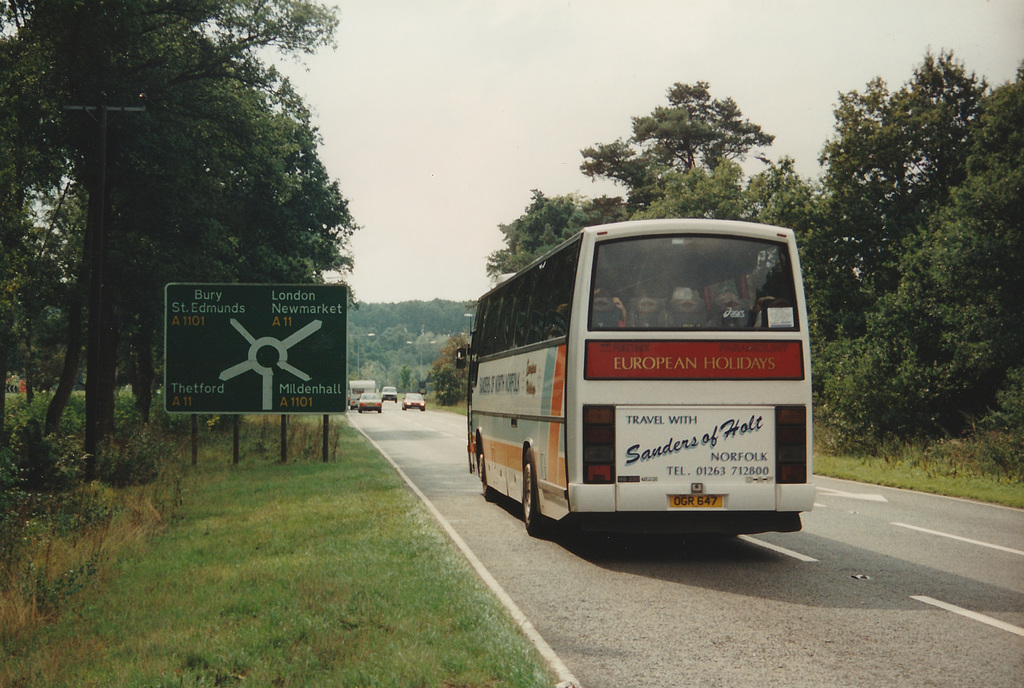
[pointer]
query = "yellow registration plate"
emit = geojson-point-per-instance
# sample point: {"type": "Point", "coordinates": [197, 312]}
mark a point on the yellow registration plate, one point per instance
{"type": "Point", "coordinates": [695, 501]}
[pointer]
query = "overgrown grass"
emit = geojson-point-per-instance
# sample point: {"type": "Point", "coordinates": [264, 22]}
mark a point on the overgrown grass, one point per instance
{"type": "Point", "coordinates": [458, 409]}
{"type": "Point", "coordinates": [54, 546]}
{"type": "Point", "coordinates": [985, 468]}
{"type": "Point", "coordinates": [875, 470]}
{"type": "Point", "coordinates": [270, 574]}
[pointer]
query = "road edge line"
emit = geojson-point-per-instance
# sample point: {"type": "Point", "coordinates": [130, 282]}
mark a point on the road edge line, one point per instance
{"type": "Point", "coordinates": [565, 677]}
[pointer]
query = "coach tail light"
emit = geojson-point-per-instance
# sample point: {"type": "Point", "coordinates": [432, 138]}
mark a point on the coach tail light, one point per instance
{"type": "Point", "coordinates": [599, 445]}
{"type": "Point", "coordinates": [791, 444]}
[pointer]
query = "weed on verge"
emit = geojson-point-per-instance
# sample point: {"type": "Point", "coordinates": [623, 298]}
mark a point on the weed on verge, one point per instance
{"type": "Point", "coordinates": [304, 574]}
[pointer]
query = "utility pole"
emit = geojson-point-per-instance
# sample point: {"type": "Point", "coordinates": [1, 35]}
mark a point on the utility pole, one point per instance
{"type": "Point", "coordinates": [97, 247]}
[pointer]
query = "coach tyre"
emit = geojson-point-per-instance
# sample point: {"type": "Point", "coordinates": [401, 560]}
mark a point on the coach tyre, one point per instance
{"type": "Point", "coordinates": [532, 517]}
{"type": "Point", "coordinates": [481, 469]}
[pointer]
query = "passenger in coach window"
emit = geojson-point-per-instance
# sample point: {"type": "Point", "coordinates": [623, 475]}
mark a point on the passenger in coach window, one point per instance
{"type": "Point", "coordinates": [557, 322]}
{"type": "Point", "coordinates": [648, 312]}
{"type": "Point", "coordinates": [607, 311]}
{"type": "Point", "coordinates": [686, 308]}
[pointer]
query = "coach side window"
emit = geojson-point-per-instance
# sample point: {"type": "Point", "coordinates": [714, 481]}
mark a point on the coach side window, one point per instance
{"type": "Point", "coordinates": [553, 295]}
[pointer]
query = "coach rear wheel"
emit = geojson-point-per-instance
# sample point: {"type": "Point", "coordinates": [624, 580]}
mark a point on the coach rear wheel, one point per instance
{"type": "Point", "coordinates": [481, 470]}
{"type": "Point", "coordinates": [535, 521]}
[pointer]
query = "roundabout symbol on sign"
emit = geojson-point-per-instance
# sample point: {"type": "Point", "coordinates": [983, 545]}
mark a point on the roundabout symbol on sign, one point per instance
{"type": "Point", "coordinates": [279, 345]}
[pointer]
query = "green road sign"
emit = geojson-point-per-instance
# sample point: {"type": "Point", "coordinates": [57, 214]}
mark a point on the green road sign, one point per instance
{"type": "Point", "coordinates": [255, 348]}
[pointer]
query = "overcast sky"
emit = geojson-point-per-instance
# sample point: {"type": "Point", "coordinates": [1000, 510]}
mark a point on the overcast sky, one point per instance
{"type": "Point", "coordinates": [439, 117]}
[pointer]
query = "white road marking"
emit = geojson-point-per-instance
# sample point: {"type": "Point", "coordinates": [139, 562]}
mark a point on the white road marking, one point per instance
{"type": "Point", "coordinates": [434, 429]}
{"type": "Point", "coordinates": [565, 677]}
{"type": "Point", "coordinates": [776, 548]}
{"type": "Point", "coordinates": [852, 495]}
{"type": "Point", "coordinates": [1002, 625]}
{"type": "Point", "coordinates": [961, 539]}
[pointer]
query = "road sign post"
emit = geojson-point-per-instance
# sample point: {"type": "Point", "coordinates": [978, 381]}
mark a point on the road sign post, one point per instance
{"type": "Point", "coordinates": [255, 348]}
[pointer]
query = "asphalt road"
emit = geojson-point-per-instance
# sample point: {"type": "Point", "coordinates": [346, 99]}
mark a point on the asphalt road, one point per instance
{"type": "Point", "coordinates": [883, 587]}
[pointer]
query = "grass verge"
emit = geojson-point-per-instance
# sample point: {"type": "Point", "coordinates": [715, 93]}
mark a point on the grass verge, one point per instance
{"type": "Point", "coordinates": [916, 475]}
{"type": "Point", "coordinates": [458, 409]}
{"type": "Point", "coordinates": [305, 574]}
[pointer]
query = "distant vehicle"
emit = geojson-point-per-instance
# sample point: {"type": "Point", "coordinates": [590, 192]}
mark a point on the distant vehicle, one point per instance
{"type": "Point", "coordinates": [370, 401]}
{"type": "Point", "coordinates": [390, 394]}
{"type": "Point", "coordinates": [356, 388]}
{"type": "Point", "coordinates": [413, 400]}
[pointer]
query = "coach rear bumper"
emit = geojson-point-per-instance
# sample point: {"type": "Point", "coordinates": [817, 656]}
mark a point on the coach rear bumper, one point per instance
{"type": "Point", "coordinates": [795, 497]}
{"type": "Point", "coordinates": [591, 498]}
{"type": "Point", "coordinates": [671, 522]}
{"type": "Point", "coordinates": [593, 508]}
{"type": "Point", "coordinates": [602, 498]}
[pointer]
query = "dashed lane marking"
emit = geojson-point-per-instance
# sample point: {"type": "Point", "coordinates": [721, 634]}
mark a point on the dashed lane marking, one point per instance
{"type": "Point", "coordinates": [776, 548]}
{"type": "Point", "coordinates": [1002, 625]}
{"type": "Point", "coordinates": [961, 539]}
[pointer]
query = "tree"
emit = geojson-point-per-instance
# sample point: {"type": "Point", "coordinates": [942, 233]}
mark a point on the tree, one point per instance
{"type": "Point", "coordinates": [960, 281]}
{"type": "Point", "coordinates": [545, 223]}
{"type": "Point", "coordinates": [413, 318]}
{"type": "Point", "coordinates": [892, 162]}
{"type": "Point", "coordinates": [219, 180]}
{"type": "Point", "coordinates": [779, 196]}
{"type": "Point", "coordinates": [717, 194]}
{"type": "Point", "coordinates": [680, 162]}
{"type": "Point", "coordinates": [694, 131]}
{"type": "Point", "coordinates": [30, 168]}
{"type": "Point", "coordinates": [405, 378]}
{"type": "Point", "coordinates": [775, 196]}
{"type": "Point", "coordinates": [938, 344]}
{"type": "Point", "coordinates": [451, 384]}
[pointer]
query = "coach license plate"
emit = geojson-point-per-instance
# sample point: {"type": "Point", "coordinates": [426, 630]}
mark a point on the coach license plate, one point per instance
{"type": "Point", "coordinates": [695, 501]}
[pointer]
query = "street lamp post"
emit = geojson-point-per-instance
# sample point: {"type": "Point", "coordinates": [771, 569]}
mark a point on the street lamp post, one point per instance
{"type": "Point", "coordinates": [359, 348]}
{"type": "Point", "coordinates": [419, 355]}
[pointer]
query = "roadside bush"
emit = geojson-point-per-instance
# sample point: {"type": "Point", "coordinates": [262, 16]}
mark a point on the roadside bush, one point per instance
{"type": "Point", "coordinates": [48, 594]}
{"type": "Point", "coordinates": [852, 400]}
{"type": "Point", "coordinates": [1010, 397]}
{"type": "Point", "coordinates": [994, 448]}
{"type": "Point", "coordinates": [55, 530]}
{"type": "Point", "coordinates": [12, 502]}
{"type": "Point", "coordinates": [133, 459]}
{"type": "Point", "coordinates": [50, 546]}
{"type": "Point", "coordinates": [44, 463]}
{"type": "Point", "coordinates": [1001, 433]}
{"type": "Point", "coordinates": [49, 463]}
{"type": "Point", "coordinates": [999, 454]}
{"type": "Point", "coordinates": [1006, 450]}
{"type": "Point", "coordinates": [10, 481]}
{"type": "Point", "coordinates": [126, 413]}
{"type": "Point", "coordinates": [18, 412]}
